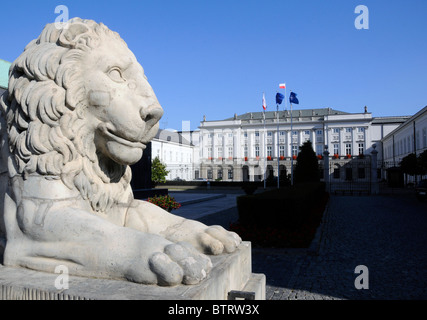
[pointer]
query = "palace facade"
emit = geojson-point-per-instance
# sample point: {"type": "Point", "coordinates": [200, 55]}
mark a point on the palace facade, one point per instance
{"type": "Point", "coordinates": [245, 147]}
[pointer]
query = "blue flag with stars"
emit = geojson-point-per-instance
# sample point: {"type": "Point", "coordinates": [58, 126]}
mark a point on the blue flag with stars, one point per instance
{"type": "Point", "coordinates": [279, 98]}
{"type": "Point", "coordinates": [293, 98]}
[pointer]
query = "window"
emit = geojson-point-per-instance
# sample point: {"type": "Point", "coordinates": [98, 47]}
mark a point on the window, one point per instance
{"type": "Point", "coordinates": [210, 135]}
{"type": "Point", "coordinates": [269, 151]}
{"type": "Point", "coordinates": [230, 174]}
{"type": "Point", "coordinates": [282, 133]}
{"type": "Point", "coordinates": [282, 151]}
{"type": "Point", "coordinates": [269, 134]}
{"type": "Point", "coordinates": [245, 151]}
{"type": "Point", "coordinates": [307, 132]}
{"type": "Point", "coordinates": [210, 152]}
{"type": "Point", "coordinates": [294, 150]}
{"type": "Point", "coordinates": [220, 152]}
{"type": "Point", "coordinates": [336, 130]}
{"type": "Point", "coordinates": [319, 149]}
{"type": "Point", "coordinates": [348, 148]}
{"type": "Point", "coordinates": [336, 148]}
{"type": "Point", "coordinates": [219, 174]}
{"type": "Point", "coordinates": [294, 133]}
{"type": "Point", "coordinates": [230, 152]}
{"type": "Point", "coordinates": [245, 134]}
{"type": "Point", "coordinates": [424, 138]}
{"type": "Point", "coordinates": [348, 130]}
{"type": "Point", "coordinates": [230, 135]}
{"type": "Point", "coordinates": [361, 130]}
{"type": "Point", "coordinates": [361, 148]}
{"type": "Point", "coordinates": [256, 133]}
{"type": "Point", "coordinates": [319, 132]}
{"type": "Point", "coordinates": [210, 174]}
{"type": "Point", "coordinates": [256, 151]}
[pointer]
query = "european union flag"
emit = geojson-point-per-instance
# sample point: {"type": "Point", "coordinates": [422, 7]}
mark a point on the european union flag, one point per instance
{"type": "Point", "coordinates": [293, 98]}
{"type": "Point", "coordinates": [279, 98]}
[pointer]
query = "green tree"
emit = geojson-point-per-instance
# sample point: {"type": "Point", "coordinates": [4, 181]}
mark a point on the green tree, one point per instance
{"type": "Point", "coordinates": [158, 171]}
{"type": "Point", "coordinates": [307, 166]}
{"type": "Point", "coordinates": [422, 162]}
{"type": "Point", "coordinates": [410, 165]}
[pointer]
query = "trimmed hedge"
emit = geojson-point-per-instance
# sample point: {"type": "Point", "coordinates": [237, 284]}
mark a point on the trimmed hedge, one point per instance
{"type": "Point", "coordinates": [285, 207]}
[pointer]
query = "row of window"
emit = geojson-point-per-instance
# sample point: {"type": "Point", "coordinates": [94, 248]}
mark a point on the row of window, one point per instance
{"type": "Point", "coordinates": [219, 174]}
{"type": "Point", "coordinates": [361, 174]}
{"type": "Point", "coordinates": [294, 133]}
{"type": "Point", "coordinates": [174, 156]}
{"type": "Point", "coordinates": [295, 149]}
{"type": "Point", "coordinates": [406, 145]}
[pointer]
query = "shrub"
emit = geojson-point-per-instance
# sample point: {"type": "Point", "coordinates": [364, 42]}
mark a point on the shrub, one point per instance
{"type": "Point", "coordinates": [285, 207]}
{"type": "Point", "coordinates": [166, 202]}
{"type": "Point", "coordinates": [249, 187]}
{"type": "Point", "coordinates": [279, 237]}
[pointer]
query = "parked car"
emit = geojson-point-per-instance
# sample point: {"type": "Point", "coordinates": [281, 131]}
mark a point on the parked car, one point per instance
{"type": "Point", "coordinates": [421, 190]}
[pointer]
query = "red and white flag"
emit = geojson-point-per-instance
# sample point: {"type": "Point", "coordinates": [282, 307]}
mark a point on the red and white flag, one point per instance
{"type": "Point", "coordinates": [282, 86]}
{"type": "Point", "coordinates": [264, 104]}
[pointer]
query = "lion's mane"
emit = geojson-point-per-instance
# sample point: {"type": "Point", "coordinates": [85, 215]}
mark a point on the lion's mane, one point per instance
{"type": "Point", "coordinates": [46, 98]}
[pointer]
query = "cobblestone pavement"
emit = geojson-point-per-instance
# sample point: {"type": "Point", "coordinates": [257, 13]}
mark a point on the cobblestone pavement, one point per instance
{"type": "Point", "coordinates": [387, 234]}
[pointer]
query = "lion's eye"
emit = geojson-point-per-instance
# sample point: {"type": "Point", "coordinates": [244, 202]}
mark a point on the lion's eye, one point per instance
{"type": "Point", "coordinates": [116, 75]}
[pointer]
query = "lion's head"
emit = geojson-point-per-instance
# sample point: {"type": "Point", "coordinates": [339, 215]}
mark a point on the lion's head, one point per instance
{"type": "Point", "coordinates": [79, 108]}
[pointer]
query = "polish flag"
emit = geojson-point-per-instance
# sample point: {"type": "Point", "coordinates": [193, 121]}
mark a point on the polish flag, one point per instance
{"type": "Point", "coordinates": [264, 104]}
{"type": "Point", "coordinates": [282, 86]}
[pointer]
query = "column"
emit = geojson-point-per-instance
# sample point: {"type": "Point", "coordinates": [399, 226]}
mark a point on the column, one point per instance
{"type": "Point", "coordinates": [275, 142]}
{"type": "Point", "coordinates": [237, 145]}
{"type": "Point", "coordinates": [251, 144]}
{"type": "Point", "coordinates": [326, 167]}
{"type": "Point", "coordinates": [374, 178]}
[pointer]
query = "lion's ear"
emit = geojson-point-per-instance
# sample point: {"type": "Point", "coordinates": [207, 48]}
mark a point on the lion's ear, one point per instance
{"type": "Point", "coordinates": [70, 36]}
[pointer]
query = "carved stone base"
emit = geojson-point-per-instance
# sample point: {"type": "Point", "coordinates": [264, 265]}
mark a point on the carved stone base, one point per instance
{"type": "Point", "coordinates": [231, 272]}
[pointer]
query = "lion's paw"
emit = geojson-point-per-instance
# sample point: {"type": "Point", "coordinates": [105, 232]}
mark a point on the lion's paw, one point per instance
{"type": "Point", "coordinates": [179, 263]}
{"type": "Point", "coordinates": [216, 240]}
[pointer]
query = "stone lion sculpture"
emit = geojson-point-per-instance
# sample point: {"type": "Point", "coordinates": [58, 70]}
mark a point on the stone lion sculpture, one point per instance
{"type": "Point", "coordinates": [78, 111]}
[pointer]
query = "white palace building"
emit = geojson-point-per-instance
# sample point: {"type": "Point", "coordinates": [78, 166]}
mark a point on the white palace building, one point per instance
{"type": "Point", "coordinates": [243, 148]}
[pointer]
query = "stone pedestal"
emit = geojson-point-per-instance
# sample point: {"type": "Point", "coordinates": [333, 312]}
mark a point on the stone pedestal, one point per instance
{"type": "Point", "coordinates": [230, 272]}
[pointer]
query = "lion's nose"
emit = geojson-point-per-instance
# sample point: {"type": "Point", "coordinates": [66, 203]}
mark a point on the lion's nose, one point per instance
{"type": "Point", "coordinates": [152, 114]}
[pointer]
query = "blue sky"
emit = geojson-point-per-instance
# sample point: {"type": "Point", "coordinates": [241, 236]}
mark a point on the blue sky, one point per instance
{"type": "Point", "coordinates": [216, 58]}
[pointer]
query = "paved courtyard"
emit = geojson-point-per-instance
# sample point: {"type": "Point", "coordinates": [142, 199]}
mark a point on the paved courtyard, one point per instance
{"type": "Point", "coordinates": [387, 234]}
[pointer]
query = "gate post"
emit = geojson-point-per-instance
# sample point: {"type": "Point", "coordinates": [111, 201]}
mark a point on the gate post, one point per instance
{"type": "Point", "coordinates": [374, 164]}
{"type": "Point", "coordinates": [326, 168]}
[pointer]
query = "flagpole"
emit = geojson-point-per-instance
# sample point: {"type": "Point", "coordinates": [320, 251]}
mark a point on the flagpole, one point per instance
{"type": "Point", "coordinates": [278, 149]}
{"type": "Point", "coordinates": [265, 156]}
{"type": "Point", "coordinates": [292, 150]}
